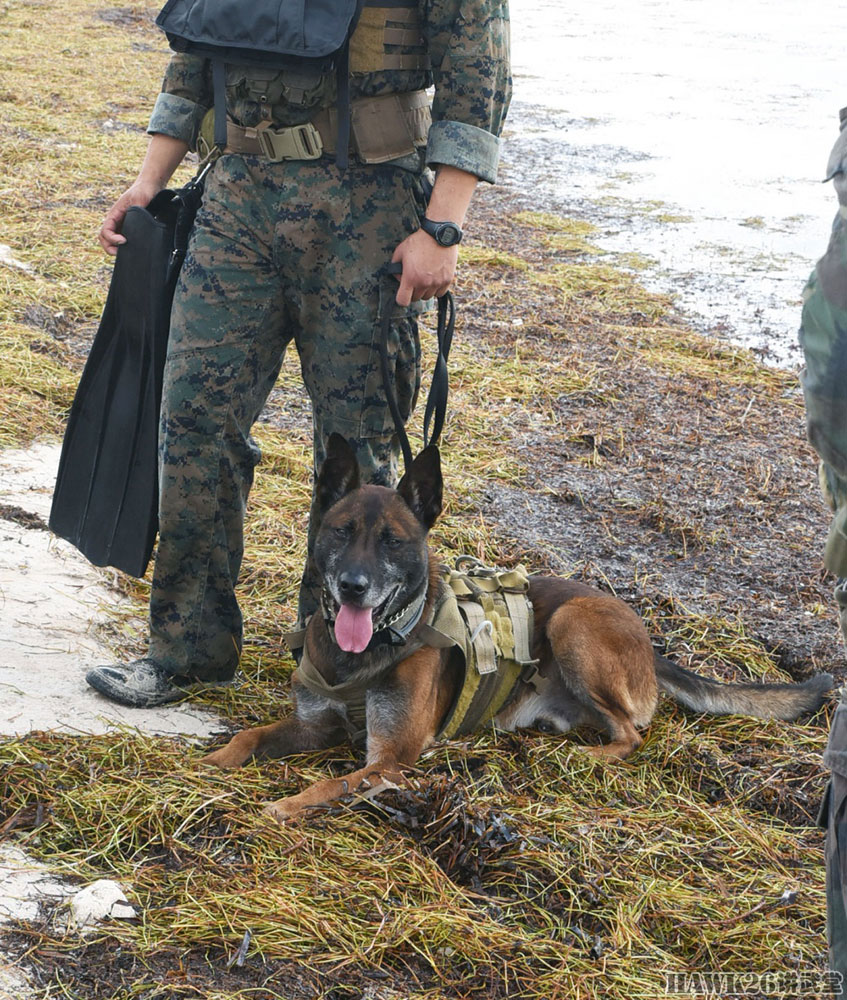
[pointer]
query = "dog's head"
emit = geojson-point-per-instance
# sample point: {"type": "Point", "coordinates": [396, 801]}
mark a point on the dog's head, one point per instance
{"type": "Point", "coordinates": [371, 548]}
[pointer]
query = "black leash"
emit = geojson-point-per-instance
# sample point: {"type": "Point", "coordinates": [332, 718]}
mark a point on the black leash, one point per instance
{"type": "Point", "coordinates": [436, 404]}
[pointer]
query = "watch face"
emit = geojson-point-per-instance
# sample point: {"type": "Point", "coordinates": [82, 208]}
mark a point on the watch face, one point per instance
{"type": "Point", "coordinates": [448, 235]}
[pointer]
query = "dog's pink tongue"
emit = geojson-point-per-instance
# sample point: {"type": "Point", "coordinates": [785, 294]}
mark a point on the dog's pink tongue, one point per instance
{"type": "Point", "coordinates": [353, 628]}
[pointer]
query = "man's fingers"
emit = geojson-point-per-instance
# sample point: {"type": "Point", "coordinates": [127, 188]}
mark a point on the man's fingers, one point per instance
{"type": "Point", "coordinates": [409, 292]}
{"type": "Point", "coordinates": [110, 240]}
{"type": "Point", "coordinates": [109, 235]}
{"type": "Point", "coordinates": [427, 268]}
{"type": "Point", "coordinates": [405, 293]}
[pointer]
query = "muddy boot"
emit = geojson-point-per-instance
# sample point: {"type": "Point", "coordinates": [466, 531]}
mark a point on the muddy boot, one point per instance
{"type": "Point", "coordinates": [144, 684]}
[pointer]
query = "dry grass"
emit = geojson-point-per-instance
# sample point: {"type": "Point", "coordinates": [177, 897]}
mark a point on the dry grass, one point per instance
{"type": "Point", "coordinates": [514, 866]}
{"type": "Point", "coordinates": [515, 862]}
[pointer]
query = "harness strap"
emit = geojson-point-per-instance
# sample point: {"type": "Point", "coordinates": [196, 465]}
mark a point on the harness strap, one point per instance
{"type": "Point", "coordinates": [342, 151]}
{"type": "Point", "coordinates": [481, 637]}
{"type": "Point", "coordinates": [295, 640]}
{"type": "Point", "coordinates": [219, 91]}
{"type": "Point", "coordinates": [430, 636]}
{"type": "Point", "coordinates": [352, 695]}
{"type": "Point", "coordinates": [521, 618]}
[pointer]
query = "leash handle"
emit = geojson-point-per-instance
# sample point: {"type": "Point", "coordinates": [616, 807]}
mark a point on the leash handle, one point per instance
{"type": "Point", "coordinates": [436, 404]}
{"type": "Point", "coordinates": [387, 383]}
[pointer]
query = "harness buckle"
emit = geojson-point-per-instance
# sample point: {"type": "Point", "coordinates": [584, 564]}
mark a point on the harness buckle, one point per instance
{"type": "Point", "coordinates": [298, 142]}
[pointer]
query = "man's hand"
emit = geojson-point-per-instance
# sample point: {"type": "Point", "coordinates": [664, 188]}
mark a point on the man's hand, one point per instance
{"type": "Point", "coordinates": [428, 269]}
{"type": "Point", "coordinates": [164, 155]}
{"type": "Point", "coordinates": [141, 193]}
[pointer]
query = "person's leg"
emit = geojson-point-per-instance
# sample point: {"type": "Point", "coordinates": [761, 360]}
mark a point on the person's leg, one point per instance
{"type": "Point", "coordinates": [226, 345]}
{"type": "Point", "coordinates": [834, 814]}
{"type": "Point", "coordinates": [823, 338]}
{"type": "Point", "coordinates": [357, 219]}
{"type": "Point", "coordinates": [834, 821]}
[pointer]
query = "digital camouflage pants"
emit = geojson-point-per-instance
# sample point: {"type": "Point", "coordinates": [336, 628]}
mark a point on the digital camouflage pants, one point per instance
{"type": "Point", "coordinates": [834, 820]}
{"type": "Point", "coordinates": [280, 252]}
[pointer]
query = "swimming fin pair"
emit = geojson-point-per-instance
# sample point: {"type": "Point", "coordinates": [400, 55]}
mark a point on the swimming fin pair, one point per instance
{"type": "Point", "coordinates": [106, 497]}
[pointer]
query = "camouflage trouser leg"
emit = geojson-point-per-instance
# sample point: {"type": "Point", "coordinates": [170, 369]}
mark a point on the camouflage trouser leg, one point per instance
{"type": "Point", "coordinates": [834, 821]}
{"type": "Point", "coordinates": [823, 337]}
{"type": "Point", "coordinates": [280, 251]}
{"type": "Point", "coordinates": [375, 439]}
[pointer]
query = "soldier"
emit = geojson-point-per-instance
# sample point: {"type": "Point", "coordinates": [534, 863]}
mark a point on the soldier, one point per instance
{"type": "Point", "coordinates": [289, 246]}
{"type": "Point", "coordinates": [823, 336]}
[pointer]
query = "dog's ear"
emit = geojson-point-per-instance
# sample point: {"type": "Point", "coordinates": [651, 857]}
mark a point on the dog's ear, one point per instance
{"type": "Point", "coordinates": [422, 486]}
{"type": "Point", "coordinates": [339, 473]}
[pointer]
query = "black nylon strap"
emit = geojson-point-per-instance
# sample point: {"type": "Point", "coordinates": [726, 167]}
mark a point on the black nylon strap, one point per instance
{"type": "Point", "coordinates": [219, 91]}
{"type": "Point", "coordinates": [188, 199]}
{"type": "Point", "coordinates": [387, 294]}
{"type": "Point", "coordinates": [342, 104]}
{"type": "Point", "coordinates": [342, 141]}
{"type": "Point", "coordinates": [436, 404]}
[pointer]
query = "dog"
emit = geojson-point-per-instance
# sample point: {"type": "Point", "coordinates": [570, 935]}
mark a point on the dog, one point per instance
{"type": "Point", "coordinates": [595, 660]}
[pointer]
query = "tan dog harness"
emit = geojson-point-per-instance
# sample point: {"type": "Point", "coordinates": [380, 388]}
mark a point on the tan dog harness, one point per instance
{"type": "Point", "coordinates": [484, 615]}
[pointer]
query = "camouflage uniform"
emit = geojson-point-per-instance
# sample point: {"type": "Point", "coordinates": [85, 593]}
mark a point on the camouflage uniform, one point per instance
{"type": "Point", "coordinates": [295, 250]}
{"type": "Point", "coordinates": [823, 336]}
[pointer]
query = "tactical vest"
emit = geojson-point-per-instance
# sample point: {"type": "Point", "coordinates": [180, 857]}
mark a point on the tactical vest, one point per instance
{"type": "Point", "coordinates": [484, 615]}
{"type": "Point", "coordinates": [289, 46]}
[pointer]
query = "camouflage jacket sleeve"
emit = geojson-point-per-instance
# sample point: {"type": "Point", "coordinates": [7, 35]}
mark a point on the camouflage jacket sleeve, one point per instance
{"type": "Point", "coordinates": [823, 333]}
{"type": "Point", "coordinates": [823, 337]}
{"type": "Point", "coordinates": [185, 98]}
{"type": "Point", "coordinates": [468, 43]}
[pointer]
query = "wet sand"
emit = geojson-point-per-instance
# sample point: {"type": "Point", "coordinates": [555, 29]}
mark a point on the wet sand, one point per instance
{"type": "Point", "coordinates": [694, 135]}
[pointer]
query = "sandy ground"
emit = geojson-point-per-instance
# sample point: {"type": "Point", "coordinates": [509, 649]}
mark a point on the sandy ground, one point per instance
{"type": "Point", "coordinates": [51, 604]}
{"type": "Point", "coordinates": [51, 600]}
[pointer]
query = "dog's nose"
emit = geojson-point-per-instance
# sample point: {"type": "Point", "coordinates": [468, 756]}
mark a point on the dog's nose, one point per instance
{"type": "Point", "coordinates": [352, 585]}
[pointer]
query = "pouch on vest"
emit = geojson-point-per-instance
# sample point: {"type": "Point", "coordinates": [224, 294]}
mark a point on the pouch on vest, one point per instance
{"type": "Point", "coordinates": [491, 622]}
{"type": "Point", "coordinates": [277, 33]}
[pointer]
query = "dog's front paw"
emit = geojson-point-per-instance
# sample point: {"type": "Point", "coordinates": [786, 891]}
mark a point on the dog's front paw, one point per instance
{"type": "Point", "coordinates": [285, 810]}
{"type": "Point", "coordinates": [223, 759]}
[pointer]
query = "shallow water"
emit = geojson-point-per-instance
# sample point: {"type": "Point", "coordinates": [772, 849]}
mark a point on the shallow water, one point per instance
{"type": "Point", "coordinates": [695, 132]}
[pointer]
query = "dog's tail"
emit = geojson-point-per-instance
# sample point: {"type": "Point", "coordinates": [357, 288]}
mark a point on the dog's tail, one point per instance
{"type": "Point", "coordinates": [762, 701]}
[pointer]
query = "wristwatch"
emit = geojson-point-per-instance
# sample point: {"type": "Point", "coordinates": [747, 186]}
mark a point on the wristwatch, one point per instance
{"type": "Point", "coordinates": [445, 234]}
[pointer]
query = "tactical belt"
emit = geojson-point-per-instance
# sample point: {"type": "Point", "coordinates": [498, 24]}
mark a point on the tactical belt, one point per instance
{"type": "Point", "coordinates": [383, 128]}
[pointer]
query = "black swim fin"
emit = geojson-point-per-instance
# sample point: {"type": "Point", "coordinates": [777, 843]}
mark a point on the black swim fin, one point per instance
{"type": "Point", "coordinates": [106, 497]}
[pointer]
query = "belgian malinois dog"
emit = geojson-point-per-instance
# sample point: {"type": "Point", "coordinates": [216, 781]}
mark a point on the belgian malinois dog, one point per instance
{"type": "Point", "coordinates": [594, 652]}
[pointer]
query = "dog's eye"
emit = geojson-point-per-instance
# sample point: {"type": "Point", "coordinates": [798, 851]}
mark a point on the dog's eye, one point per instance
{"type": "Point", "coordinates": [341, 531]}
{"type": "Point", "coordinates": [392, 541]}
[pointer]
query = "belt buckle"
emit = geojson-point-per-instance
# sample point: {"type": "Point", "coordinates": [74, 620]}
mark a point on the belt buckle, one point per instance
{"type": "Point", "coordinates": [299, 142]}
